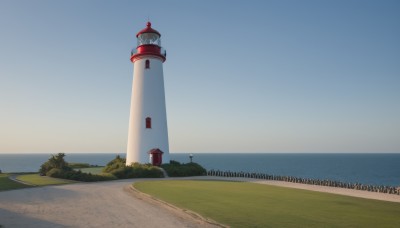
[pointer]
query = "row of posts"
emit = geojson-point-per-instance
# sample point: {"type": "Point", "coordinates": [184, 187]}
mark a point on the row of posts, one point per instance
{"type": "Point", "coordinates": [330, 183]}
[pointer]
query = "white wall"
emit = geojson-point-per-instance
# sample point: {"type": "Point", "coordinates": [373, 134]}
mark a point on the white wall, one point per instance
{"type": "Point", "coordinates": [148, 100]}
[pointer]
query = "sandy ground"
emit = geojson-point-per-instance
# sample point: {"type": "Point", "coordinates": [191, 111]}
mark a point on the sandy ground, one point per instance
{"type": "Point", "coordinates": [115, 204]}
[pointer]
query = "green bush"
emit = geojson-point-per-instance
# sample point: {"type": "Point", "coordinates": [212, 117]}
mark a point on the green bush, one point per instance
{"type": "Point", "coordinates": [55, 161]}
{"type": "Point", "coordinates": [108, 175]}
{"type": "Point", "coordinates": [54, 172]}
{"type": "Point", "coordinates": [114, 164]}
{"type": "Point", "coordinates": [173, 162]}
{"type": "Point", "coordinates": [115, 169]}
{"type": "Point", "coordinates": [176, 169]}
{"type": "Point", "coordinates": [79, 176]}
{"type": "Point", "coordinates": [58, 168]}
{"type": "Point", "coordinates": [118, 168]}
{"type": "Point", "coordinates": [137, 170]}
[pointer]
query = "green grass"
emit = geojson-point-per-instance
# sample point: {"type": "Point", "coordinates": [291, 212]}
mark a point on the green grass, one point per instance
{"type": "Point", "coordinates": [7, 184]}
{"type": "Point", "coordinates": [239, 204]}
{"type": "Point", "coordinates": [93, 170]}
{"type": "Point", "coordinates": [77, 165]}
{"type": "Point", "coordinates": [38, 180]}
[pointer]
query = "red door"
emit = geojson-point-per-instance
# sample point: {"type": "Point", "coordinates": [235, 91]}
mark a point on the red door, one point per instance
{"type": "Point", "coordinates": [156, 156]}
{"type": "Point", "coordinates": [156, 159]}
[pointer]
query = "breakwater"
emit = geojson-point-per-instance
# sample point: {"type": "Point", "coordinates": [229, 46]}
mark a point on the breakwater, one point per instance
{"type": "Point", "coordinates": [310, 181]}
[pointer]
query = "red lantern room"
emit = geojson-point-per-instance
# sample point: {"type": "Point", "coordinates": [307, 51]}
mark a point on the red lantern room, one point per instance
{"type": "Point", "coordinates": [148, 43]}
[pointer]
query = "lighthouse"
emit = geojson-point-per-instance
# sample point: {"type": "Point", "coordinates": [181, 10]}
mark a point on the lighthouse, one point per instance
{"type": "Point", "coordinates": [148, 132]}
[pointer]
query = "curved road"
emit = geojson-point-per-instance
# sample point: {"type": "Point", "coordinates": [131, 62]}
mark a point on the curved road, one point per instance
{"type": "Point", "coordinates": [101, 204]}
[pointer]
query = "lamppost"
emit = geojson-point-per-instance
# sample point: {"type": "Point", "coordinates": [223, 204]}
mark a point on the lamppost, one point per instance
{"type": "Point", "coordinates": [191, 157]}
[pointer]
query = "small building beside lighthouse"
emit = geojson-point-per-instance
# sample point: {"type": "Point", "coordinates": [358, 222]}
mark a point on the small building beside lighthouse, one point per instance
{"type": "Point", "coordinates": [148, 132]}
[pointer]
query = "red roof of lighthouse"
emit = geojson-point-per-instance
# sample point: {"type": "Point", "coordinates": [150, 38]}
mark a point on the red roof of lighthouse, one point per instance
{"type": "Point", "coordinates": [148, 29]}
{"type": "Point", "coordinates": [155, 151]}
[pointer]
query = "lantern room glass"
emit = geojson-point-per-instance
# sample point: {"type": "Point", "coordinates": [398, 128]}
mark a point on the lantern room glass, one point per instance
{"type": "Point", "coordinates": [148, 38]}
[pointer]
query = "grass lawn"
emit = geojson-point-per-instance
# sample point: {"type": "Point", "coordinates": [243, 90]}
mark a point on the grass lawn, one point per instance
{"type": "Point", "coordinates": [7, 184]}
{"type": "Point", "coordinates": [93, 170]}
{"type": "Point", "coordinates": [240, 204]}
{"type": "Point", "coordinates": [38, 180]}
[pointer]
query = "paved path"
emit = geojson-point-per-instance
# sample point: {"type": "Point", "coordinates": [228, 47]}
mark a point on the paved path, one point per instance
{"type": "Point", "coordinates": [101, 204]}
{"type": "Point", "coordinates": [114, 204]}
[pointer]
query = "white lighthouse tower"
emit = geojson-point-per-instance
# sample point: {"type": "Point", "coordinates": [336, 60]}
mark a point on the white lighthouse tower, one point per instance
{"type": "Point", "coordinates": [148, 133]}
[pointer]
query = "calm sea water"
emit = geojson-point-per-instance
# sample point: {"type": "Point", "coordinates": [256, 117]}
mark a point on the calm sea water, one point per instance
{"type": "Point", "coordinates": [377, 169]}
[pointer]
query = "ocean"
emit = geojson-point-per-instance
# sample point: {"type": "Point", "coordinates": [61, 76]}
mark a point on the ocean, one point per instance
{"type": "Point", "coordinates": [375, 169]}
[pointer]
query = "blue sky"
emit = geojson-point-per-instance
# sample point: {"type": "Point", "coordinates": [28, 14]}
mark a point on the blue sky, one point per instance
{"type": "Point", "coordinates": [241, 76]}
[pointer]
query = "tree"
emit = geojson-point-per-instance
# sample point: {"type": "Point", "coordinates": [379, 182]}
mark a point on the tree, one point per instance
{"type": "Point", "coordinates": [55, 161]}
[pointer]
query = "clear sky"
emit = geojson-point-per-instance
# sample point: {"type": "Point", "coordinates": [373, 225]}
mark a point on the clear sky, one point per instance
{"type": "Point", "coordinates": [240, 76]}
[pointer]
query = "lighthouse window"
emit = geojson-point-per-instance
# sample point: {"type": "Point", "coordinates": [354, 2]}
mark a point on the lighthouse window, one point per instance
{"type": "Point", "coordinates": [148, 38]}
{"type": "Point", "coordinates": [147, 64]}
{"type": "Point", "coordinates": [148, 122]}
